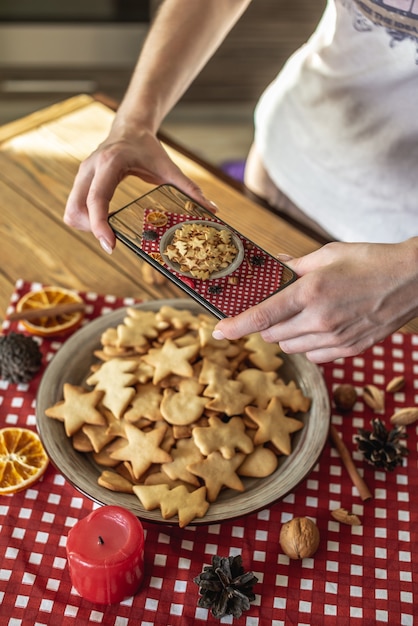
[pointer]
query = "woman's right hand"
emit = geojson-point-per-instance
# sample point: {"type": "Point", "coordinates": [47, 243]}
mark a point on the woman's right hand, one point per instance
{"type": "Point", "coordinates": [123, 153]}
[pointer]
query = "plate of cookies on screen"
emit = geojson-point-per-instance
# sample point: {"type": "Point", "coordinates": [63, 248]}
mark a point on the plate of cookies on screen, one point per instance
{"type": "Point", "coordinates": [143, 408]}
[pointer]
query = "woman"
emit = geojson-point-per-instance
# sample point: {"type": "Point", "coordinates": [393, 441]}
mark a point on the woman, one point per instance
{"type": "Point", "coordinates": [336, 144]}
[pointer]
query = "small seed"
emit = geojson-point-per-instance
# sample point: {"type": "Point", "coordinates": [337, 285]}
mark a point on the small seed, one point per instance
{"type": "Point", "coordinates": [374, 397]}
{"type": "Point", "coordinates": [346, 517]}
{"type": "Point", "coordinates": [405, 416]}
{"type": "Point", "coordinates": [396, 384]}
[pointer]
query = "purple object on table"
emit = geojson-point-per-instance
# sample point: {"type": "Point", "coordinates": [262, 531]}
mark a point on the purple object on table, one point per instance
{"type": "Point", "coordinates": [235, 169]}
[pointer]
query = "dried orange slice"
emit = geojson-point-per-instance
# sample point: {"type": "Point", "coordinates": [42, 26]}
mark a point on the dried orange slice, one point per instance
{"type": "Point", "coordinates": [23, 459]}
{"type": "Point", "coordinates": [157, 218]}
{"type": "Point", "coordinates": [43, 299]}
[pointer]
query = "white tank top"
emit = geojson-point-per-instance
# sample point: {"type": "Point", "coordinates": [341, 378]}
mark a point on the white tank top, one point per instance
{"type": "Point", "coordinates": [338, 128]}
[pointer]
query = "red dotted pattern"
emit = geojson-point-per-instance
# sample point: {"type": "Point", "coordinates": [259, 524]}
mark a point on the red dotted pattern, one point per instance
{"type": "Point", "coordinates": [363, 575]}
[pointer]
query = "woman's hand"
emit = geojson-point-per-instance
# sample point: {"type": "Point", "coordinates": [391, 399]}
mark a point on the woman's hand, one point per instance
{"type": "Point", "coordinates": [120, 155]}
{"type": "Point", "coordinates": [347, 298]}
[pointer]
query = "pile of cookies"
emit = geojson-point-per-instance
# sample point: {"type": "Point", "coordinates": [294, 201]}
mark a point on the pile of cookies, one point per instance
{"type": "Point", "coordinates": [201, 249]}
{"type": "Point", "coordinates": [175, 417]}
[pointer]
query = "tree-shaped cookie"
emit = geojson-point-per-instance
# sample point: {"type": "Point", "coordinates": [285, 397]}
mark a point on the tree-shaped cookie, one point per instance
{"type": "Point", "coordinates": [137, 328]}
{"type": "Point", "coordinates": [262, 354]}
{"type": "Point", "coordinates": [227, 438]}
{"type": "Point", "coordinates": [227, 394]}
{"type": "Point", "coordinates": [145, 403]}
{"type": "Point", "coordinates": [116, 379]}
{"type": "Point", "coordinates": [178, 501]}
{"type": "Point", "coordinates": [291, 396]}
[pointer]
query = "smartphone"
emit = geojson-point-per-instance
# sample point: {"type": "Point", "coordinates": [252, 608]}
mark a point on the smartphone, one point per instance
{"type": "Point", "coordinates": [212, 262]}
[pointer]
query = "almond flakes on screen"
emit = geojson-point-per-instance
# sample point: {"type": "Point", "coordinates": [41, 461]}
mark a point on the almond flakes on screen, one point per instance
{"type": "Point", "coordinates": [201, 250]}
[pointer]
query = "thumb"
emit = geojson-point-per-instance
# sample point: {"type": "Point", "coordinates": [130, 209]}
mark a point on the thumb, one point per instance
{"type": "Point", "coordinates": [309, 262]}
{"type": "Point", "coordinates": [290, 261]}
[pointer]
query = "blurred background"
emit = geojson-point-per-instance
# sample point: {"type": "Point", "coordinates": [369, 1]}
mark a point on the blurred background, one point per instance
{"type": "Point", "coordinates": [51, 50]}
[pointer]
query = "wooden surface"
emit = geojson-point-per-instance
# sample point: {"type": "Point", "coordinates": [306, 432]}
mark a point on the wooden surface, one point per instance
{"type": "Point", "coordinates": [39, 157]}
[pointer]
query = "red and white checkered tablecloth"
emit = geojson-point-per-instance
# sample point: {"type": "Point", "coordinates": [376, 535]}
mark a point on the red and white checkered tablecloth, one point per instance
{"type": "Point", "coordinates": [360, 576]}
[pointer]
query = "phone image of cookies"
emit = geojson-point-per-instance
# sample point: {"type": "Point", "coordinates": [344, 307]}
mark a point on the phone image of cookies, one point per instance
{"type": "Point", "coordinates": [212, 262]}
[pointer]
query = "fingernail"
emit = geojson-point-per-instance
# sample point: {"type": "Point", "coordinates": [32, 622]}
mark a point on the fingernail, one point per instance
{"type": "Point", "coordinates": [214, 206]}
{"type": "Point", "coordinates": [218, 334]}
{"type": "Point", "coordinates": [284, 257]}
{"type": "Point", "coordinates": [105, 245]}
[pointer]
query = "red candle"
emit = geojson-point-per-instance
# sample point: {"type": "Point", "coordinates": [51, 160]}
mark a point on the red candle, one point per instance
{"type": "Point", "coordinates": [105, 553]}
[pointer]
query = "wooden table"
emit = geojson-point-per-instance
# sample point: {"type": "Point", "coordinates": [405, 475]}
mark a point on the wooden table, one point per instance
{"type": "Point", "coordinates": [39, 157]}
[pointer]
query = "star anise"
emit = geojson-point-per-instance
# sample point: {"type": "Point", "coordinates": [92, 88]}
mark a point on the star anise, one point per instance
{"type": "Point", "coordinates": [225, 587]}
{"type": "Point", "coordinates": [258, 260]}
{"type": "Point", "coordinates": [215, 289]}
{"type": "Point", "coordinates": [382, 447]}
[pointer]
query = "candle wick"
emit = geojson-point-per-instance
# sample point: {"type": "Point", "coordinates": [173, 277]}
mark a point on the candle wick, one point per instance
{"type": "Point", "coordinates": [101, 540]}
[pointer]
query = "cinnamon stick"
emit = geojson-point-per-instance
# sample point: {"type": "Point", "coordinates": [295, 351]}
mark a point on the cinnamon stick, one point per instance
{"type": "Point", "coordinates": [53, 311]}
{"type": "Point", "coordinates": [364, 492]}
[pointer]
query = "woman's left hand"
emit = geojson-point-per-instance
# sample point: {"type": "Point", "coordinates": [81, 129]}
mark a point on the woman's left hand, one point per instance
{"type": "Point", "coordinates": [348, 297]}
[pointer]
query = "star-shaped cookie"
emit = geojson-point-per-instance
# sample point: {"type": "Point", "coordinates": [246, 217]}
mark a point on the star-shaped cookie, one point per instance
{"type": "Point", "coordinates": [185, 453]}
{"type": "Point", "coordinates": [187, 505]}
{"type": "Point", "coordinates": [274, 425]}
{"type": "Point", "coordinates": [79, 407]}
{"type": "Point", "coordinates": [261, 385]}
{"type": "Point", "coordinates": [142, 449]}
{"type": "Point", "coordinates": [218, 472]}
{"type": "Point", "coordinates": [170, 359]}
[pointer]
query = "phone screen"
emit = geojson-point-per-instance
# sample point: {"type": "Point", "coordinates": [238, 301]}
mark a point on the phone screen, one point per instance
{"type": "Point", "coordinates": [211, 261]}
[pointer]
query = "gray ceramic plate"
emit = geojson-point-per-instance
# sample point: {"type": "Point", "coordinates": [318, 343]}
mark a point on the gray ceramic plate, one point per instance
{"type": "Point", "coordinates": [72, 364]}
{"type": "Point", "coordinates": [167, 238]}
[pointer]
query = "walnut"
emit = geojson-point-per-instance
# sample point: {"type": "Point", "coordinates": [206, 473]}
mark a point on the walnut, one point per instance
{"type": "Point", "coordinates": [299, 538]}
{"type": "Point", "coordinates": [345, 397]}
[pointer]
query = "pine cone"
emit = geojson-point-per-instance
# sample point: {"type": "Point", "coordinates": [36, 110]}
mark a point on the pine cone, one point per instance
{"type": "Point", "coordinates": [381, 447]}
{"type": "Point", "coordinates": [20, 358]}
{"type": "Point", "coordinates": [225, 587]}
